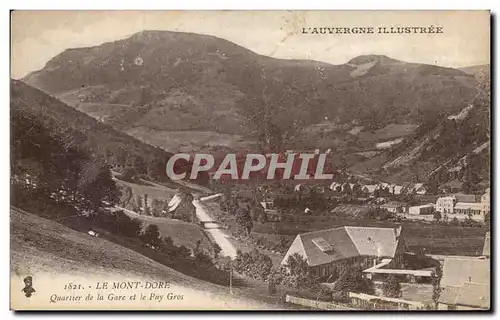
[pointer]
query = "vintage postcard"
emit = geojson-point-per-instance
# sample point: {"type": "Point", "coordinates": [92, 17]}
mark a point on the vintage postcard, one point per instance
{"type": "Point", "coordinates": [250, 160]}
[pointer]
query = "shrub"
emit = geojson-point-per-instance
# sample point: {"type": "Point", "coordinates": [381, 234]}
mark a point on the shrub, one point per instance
{"type": "Point", "coordinates": [351, 279]}
{"type": "Point", "coordinates": [295, 274]}
{"type": "Point", "coordinates": [151, 235]}
{"type": "Point", "coordinates": [391, 288]}
{"type": "Point", "coordinates": [253, 264]}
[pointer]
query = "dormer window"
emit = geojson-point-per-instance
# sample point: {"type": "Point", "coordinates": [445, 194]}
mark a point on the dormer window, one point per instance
{"type": "Point", "coordinates": [322, 244]}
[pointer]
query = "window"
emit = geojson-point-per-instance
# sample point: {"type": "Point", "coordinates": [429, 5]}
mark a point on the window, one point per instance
{"type": "Point", "coordinates": [322, 244]}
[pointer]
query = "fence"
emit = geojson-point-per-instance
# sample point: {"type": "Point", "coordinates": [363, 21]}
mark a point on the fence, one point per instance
{"type": "Point", "coordinates": [366, 301]}
{"type": "Point", "coordinates": [421, 217]}
{"type": "Point", "coordinates": [316, 304]}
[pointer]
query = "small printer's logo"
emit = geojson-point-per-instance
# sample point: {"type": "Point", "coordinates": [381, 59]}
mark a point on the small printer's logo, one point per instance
{"type": "Point", "coordinates": [28, 286]}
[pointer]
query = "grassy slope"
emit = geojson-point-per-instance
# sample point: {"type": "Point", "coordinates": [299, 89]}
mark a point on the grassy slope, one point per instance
{"type": "Point", "coordinates": [153, 191]}
{"type": "Point", "coordinates": [182, 233]}
{"type": "Point", "coordinates": [40, 246]}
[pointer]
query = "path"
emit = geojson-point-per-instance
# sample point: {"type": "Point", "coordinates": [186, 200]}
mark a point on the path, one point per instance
{"type": "Point", "coordinates": [213, 229]}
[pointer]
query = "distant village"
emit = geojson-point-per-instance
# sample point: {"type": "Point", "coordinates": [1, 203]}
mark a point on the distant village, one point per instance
{"type": "Point", "coordinates": [446, 208]}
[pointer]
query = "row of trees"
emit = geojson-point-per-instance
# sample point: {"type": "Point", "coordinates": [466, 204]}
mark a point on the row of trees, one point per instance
{"type": "Point", "coordinates": [155, 207]}
{"type": "Point", "coordinates": [468, 222]}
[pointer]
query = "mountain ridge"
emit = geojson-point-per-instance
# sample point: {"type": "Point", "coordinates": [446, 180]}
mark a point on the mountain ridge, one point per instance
{"type": "Point", "coordinates": [166, 88]}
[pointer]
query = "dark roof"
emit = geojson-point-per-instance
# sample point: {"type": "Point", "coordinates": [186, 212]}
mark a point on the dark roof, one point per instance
{"type": "Point", "coordinates": [486, 247]}
{"type": "Point", "coordinates": [462, 197]}
{"type": "Point", "coordinates": [347, 242]}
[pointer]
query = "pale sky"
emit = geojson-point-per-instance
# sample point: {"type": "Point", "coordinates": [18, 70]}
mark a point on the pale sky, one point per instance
{"type": "Point", "coordinates": [38, 36]}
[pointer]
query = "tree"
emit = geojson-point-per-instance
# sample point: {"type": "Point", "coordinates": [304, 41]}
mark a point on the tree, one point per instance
{"type": "Point", "coordinates": [253, 264]}
{"type": "Point", "coordinates": [437, 216]}
{"type": "Point", "coordinates": [392, 288]}
{"type": "Point", "coordinates": [217, 250]}
{"type": "Point", "coordinates": [129, 174]}
{"type": "Point", "coordinates": [151, 235]}
{"type": "Point", "coordinates": [197, 247]}
{"type": "Point", "coordinates": [436, 285]}
{"type": "Point", "coordinates": [146, 206]}
{"type": "Point", "coordinates": [346, 189]}
{"type": "Point", "coordinates": [156, 207]}
{"type": "Point", "coordinates": [471, 178]}
{"type": "Point", "coordinates": [351, 279]}
{"type": "Point", "coordinates": [138, 204]}
{"type": "Point", "coordinates": [356, 189]}
{"type": "Point", "coordinates": [454, 222]}
{"type": "Point", "coordinates": [244, 220]}
{"type": "Point", "coordinates": [258, 213]}
{"type": "Point", "coordinates": [432, 185]}
{"type": "Point", "coordinates": [298, 274]}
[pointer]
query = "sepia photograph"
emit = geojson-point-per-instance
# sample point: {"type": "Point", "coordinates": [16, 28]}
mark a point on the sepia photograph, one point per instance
{"type": "Point", "coordinates": [250, 160]}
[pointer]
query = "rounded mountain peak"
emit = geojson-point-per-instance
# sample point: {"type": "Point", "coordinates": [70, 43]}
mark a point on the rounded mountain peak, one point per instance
{"type": "Point", "coordinates": [372, 58]}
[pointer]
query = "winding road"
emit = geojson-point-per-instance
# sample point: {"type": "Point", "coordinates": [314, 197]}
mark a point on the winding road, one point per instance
{"type": "Point", "coordinates": [213, 228]}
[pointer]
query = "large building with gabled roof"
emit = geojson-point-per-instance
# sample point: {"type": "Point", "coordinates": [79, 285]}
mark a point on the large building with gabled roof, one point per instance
{"type": "Point", "coordinates": [327, 251]}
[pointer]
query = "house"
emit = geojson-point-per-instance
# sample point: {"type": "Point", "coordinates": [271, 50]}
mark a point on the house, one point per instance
{"type": "Point", "coordinates": [370, 188]}
{"type": "Point", "coordinates": [328, 251]}
{"type": "Point", "coordinates": [462, 206]}
{"type": "Point", "coordinates": [397, 189]}
{"type": "Point", "coordinates": [298, 188]}
{"type": "Point", "coordinates": [419, 188]}
{"type": "Point", "coordinates": [465, 283]}
{"type": "Point", "coordinates": [468, 209]}
{"type": "Point", "coordinates": [445, 204]}
{"type": "Point", "coordinates": [395, 207]}
{"type": "Point", "coordinates": [422, 209]}
{"type": "Point", "coordinates": [335, 185]}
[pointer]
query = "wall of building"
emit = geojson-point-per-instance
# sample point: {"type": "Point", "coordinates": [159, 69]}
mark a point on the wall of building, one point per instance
{"type": "Point", "coordinates": [421, 210]}
{"type": "Point", "coordinates": [334, 268]}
